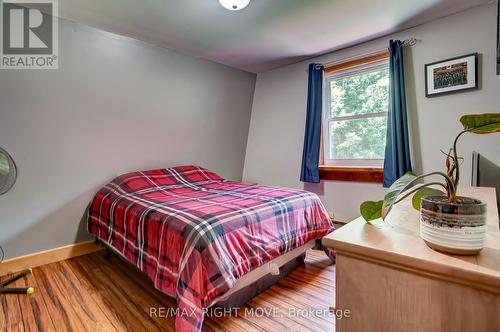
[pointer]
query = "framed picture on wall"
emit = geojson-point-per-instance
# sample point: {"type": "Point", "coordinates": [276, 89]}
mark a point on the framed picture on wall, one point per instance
{"type": "Point", "coordinates": [498, 38]}
{"type": "Point", "coordinates": [451, 75]}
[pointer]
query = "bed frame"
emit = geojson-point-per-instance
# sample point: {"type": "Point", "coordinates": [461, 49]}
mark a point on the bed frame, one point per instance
{"type": "Point", "coordinates": [252, 283]}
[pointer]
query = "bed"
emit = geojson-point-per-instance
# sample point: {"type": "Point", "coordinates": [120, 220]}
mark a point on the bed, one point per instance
{"type": "Point", "coordinates": [201, 238]}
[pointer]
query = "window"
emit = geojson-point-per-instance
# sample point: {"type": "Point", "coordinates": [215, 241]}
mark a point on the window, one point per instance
{"type": "Point", "coordinates": [355, 113]}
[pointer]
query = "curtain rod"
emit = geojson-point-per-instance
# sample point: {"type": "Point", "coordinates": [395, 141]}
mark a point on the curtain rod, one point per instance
{"type": "Point", "coordinates": [410, 41]}
{"type": "Point", "coordinates": [406, 43]}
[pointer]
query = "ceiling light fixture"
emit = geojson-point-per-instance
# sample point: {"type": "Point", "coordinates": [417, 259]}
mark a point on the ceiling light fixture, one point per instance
{"type": "Point", "coordinates": [234, 4]}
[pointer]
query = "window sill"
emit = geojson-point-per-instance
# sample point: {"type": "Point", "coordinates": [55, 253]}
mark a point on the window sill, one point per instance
{"type": "Point", "coordinates": [352, 174]}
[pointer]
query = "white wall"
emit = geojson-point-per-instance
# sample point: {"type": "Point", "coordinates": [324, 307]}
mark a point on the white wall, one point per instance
{"type": "Point", "coordinates": [274, 148]}
{"type": "Point", "coordinates": [115, 105]}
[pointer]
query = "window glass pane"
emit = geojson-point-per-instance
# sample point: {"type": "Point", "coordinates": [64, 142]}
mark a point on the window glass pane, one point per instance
{"type": "Point", "coordinates": [358, 138]}
{"type": "Point", "coordinates": [360, 94]}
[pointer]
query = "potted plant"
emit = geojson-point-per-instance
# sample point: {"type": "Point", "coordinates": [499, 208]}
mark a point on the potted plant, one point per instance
{"type": "Point", "coordinates": [448, 222]}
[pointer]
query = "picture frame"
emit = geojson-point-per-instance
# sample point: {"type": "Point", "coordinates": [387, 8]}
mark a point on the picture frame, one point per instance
{"type": "Point", "coordinates": [498, 38]}
{"type": "Point", "coordinates": [451, 75]}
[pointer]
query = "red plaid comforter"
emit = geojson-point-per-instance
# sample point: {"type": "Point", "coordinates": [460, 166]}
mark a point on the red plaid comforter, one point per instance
{"type": "Point", "coordinates": [194, 234]}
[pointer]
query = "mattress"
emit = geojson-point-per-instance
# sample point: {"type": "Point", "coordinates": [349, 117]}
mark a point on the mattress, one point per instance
{"type": "Point", "coordinates": [196, 234]}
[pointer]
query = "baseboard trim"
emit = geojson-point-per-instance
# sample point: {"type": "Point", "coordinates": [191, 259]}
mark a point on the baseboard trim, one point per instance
{"type": "Point", "coordinates": [20, 263]}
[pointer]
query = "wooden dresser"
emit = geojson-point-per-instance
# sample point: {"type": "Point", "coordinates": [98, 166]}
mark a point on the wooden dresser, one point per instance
{"type": "Point", "coordinates": [391, 281]}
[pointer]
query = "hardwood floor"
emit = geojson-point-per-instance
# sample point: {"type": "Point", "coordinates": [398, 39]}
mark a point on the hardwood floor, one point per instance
{"type": "Point", "coordinates": [91, 293]}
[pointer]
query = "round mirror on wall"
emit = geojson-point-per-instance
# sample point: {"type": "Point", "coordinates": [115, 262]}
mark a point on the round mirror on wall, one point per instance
{"type": "Point", "coordinates": [8, 172]}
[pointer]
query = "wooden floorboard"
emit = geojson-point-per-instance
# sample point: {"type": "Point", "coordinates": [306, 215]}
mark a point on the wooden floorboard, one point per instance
{"type": "Point", "coordinates": [10, 314]}
{"type": "Point", "coordinates": [91, 293]}
{"type": "Point", "coordinates": [34, 311]}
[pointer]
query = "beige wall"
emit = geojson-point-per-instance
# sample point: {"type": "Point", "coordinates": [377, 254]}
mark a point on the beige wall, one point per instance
{"type": "Point", "coordinates": [115, 105]}
{"type": "Point", "coordinates": [274, 148]}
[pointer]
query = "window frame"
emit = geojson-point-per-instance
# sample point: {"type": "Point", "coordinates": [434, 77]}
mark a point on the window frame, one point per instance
{"type": "Point", "coordinates": [348, 69]}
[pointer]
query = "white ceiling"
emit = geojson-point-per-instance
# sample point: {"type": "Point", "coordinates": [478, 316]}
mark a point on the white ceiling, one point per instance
{"type": "Point", "coordinates": [265, 35]}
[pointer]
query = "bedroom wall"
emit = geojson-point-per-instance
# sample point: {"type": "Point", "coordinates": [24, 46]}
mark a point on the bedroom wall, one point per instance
{"type": "Point", "coordinates": [274, 149]}
{"type": "Point", "coordinates": [115, 105]}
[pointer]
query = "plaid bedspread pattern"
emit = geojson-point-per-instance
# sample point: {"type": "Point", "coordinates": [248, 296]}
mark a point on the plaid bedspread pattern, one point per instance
{"type": "Point", "coordinates": [194, 233]}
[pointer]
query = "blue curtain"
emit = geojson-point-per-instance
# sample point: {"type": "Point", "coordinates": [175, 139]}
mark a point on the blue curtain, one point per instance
{"type": "Point", "coordinates": [312, 137]}
{"type": "Point", "coordinates": [397, 150]}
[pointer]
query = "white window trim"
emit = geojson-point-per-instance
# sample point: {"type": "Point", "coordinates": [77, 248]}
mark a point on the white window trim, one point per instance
{"type": "Point", "coordinates": [375, 163]}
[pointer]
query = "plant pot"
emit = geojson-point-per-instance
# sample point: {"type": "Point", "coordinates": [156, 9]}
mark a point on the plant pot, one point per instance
{"type": "Point", "coordinates": [455, 228]}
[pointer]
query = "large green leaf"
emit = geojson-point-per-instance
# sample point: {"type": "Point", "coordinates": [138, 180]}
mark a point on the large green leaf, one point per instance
{"type": "Point", "coordinates": [397, 188]}
{"type": "Point", "coordinates": [4, 164]}
{"type": "Point", "coordinates": [488, 129]}
{"type": "Point", "coordinates": [486, 123]}
{"type": "Point", "coordinates": [371, 210]}
{"type": "Point", "coordinates": [424, 192]}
